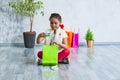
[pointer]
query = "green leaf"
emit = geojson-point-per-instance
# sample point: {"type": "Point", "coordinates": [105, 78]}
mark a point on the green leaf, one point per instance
{"type": "Point", "coordinates": [89, 35]}
{"type": "Point", "coordinates": [28, 8]}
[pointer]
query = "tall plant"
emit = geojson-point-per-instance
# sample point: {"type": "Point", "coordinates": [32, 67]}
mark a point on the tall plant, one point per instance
{"type": "Point", "coordinates": [28, 8]}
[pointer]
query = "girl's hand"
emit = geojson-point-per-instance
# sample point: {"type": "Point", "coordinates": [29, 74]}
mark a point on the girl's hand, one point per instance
{"type": "Point", "coordinates": [62, 45]}
{"type": "Point", "coordinates": [42, 34]}
{"type": "Point", "coordinates": [55, 43]}
{"type": "Point", "coordinates": [40, 37]}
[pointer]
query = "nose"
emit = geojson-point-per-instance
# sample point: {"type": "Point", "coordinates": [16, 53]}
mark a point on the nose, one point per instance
{"type": "Point", "coordinates": [53, 24]}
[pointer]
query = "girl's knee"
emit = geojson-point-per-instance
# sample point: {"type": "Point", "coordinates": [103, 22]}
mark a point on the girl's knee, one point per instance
{"type": "Point", "coordinates": [67, 51]}
{"type": "Point", "coordinates": [39, 54]}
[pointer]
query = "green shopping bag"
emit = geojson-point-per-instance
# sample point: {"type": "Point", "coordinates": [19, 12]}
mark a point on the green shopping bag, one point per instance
{"type": "Point", "coordinates": [50, 55]}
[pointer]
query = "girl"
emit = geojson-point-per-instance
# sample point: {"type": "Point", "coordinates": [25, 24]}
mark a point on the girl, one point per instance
{"type": "Point", "coordinates": [58, 37]}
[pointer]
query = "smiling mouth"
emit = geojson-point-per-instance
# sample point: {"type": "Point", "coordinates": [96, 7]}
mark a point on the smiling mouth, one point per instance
{"type": "Point", "coordinates": [54, 28]}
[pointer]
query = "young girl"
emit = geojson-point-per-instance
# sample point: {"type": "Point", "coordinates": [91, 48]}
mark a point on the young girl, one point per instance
{"type": "Point", "coordinates": [58, 37]}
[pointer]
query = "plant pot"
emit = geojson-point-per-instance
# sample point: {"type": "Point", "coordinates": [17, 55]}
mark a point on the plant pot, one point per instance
{"type": "Point", "coordinates": [29, 39]}
{"type": "Point", "coordinates": [90, 43]}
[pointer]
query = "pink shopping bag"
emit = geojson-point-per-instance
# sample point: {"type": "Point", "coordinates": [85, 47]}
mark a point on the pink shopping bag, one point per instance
{"type": "Point", "coordinates": [75, 42]}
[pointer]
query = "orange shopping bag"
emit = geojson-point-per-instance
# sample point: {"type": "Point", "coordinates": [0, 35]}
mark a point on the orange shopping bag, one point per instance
{"type": "Point", "coordinates": [70, 37]}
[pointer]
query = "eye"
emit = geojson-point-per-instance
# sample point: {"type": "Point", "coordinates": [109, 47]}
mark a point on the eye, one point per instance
{"type": "Point", "coordinates": [51, 23]}
{"type": "Point", "coordinates": [56, 23]}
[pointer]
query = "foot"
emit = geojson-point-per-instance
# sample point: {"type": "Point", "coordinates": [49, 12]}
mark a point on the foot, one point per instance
{"type": "Point", "coordinates": [39, 62]}
{"type": "Point", "coordinates": [64, 61]}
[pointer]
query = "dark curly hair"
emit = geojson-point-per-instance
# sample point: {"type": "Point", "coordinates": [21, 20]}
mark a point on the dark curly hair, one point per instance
{"type": "Point", "coordinates": [56, 15]}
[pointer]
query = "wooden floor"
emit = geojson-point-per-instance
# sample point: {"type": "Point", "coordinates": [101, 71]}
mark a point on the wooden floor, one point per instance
{"type": "Point", "coordinates": [100, 63]}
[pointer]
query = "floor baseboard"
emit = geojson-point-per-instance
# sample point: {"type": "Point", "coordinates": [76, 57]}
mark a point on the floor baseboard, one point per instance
{"type": "Point", "coordinates": [81, 44]}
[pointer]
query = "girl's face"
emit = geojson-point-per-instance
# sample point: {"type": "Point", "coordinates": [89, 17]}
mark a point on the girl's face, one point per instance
{"type": "Point", "coordinates": [54, 23]}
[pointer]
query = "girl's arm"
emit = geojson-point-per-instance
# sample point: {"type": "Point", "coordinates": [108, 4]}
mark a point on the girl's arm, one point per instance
{"type": "Point", "coordinates": [64, 43]}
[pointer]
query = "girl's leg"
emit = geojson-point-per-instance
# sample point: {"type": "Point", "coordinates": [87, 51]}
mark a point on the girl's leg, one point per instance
{"type": "Point", "coordinates": [39, 54]}
{"type": "Point", "coordinates": [63, 54]}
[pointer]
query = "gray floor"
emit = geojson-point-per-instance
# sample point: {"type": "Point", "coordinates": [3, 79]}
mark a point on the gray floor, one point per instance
{"type": "Point", "coordinates": [100, 63]}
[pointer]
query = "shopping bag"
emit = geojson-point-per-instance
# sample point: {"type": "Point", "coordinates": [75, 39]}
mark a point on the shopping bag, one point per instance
{"type": "Point", "coordinates": [70, 37]}
{"type": "Point", "coordinates": [50, 55]}
{"type": "Point", "coordinates": [75, 42]}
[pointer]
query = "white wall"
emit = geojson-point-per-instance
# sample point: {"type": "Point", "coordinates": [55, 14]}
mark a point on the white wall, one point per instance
{"type": "Point", "coordinates": [102, 16]}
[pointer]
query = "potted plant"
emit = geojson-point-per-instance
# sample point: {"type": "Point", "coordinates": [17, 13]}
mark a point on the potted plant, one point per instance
{"type": "Point", "coordinates": [28, 8]}
{"type": "Point", "coordinates": [89, 38]}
